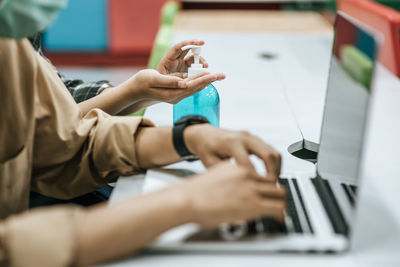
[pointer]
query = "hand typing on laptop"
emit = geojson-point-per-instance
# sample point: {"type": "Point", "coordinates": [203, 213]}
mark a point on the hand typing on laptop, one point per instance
{"type": "Point", "coordinates": [226, 193]}
{"type": "Point", "coordinates": [214, 145]}
{"type": "Point", "coordinates": [229, 193]}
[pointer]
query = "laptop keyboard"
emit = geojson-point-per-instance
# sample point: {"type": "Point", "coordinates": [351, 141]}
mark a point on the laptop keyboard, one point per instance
{"type": "Point", "coordinates": [331, 205]}
{"type": "Point", "coordinates": [291, 207]}
{"type": "Point", "coordinates": [295, 213]}
{"type": "Point", "coordinates": [303, 207]}
{"type": "Point", "coordinates": [351, 193]}
{"type": "Point", "coordinates": [297, 218]}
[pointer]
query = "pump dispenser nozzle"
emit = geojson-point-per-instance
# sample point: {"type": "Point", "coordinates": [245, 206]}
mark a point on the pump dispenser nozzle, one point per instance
{"type": "Point", "coordinates": [196, 67]}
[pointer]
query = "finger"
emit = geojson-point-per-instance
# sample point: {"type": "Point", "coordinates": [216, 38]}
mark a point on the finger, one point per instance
{"type": "Point", "coordinates": [197, 76]}
{"type": "Point", "coordinates": [224, 165]}
{"type": "Point", "coordinates": [218, 76]}
{"type": "Point", "coordinates": [196, 88]}
{"type": "Point", "coordinates": [203, 62]}
{"type": "Point", "coordinates": [194, 85]}
{"type": "Point", "coordinates": [211, 160]}
{"type": "Point", "coordinates": [273, 208]}
{"type": "Point", "coordinates": [241, 156]}
{"type": "Point", "coordinates": [198, 85]}
{"type": "Point", "coordinates": [190, 60]}
{"type": "Point", "coordinates": [176, 51]}
{"type": "Point", "coordinates": [169, 94]}
{"type": "Point", "coordinates": [205, 80]}
{"type": "Point", "coordinates": [168, 81]}
{"type": "Point", "coordinates": [270, 156]}
{"type": "Point", "coordinates": [270, 190]}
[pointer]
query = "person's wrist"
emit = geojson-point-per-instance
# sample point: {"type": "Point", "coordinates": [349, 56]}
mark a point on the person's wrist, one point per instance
{"type": "Point", "coordinates": [139, 90]}
{"type": "Point", "coordinates": [134, 89]}
{"type": "Point", "coordinates": [191, 136]}
{"type": "Point", "coordinates": [181, 200]}
{"type": "Point", "coordinates": [125, 89]}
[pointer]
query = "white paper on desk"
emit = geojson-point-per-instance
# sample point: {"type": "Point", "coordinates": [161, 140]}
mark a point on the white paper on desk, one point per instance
{"type": "Point", "coordinates": [157, 179]}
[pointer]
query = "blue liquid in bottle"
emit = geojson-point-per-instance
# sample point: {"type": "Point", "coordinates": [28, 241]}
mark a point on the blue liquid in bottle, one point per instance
{"type": "Point", "coordinates": [204, 103]}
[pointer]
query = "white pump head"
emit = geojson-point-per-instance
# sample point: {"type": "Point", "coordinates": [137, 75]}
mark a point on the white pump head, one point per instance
{"type": "Point", "coordinates": [196, 67]}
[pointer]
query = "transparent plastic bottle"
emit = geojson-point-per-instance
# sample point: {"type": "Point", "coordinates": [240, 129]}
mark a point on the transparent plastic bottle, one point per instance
{"type": "Point", "coordinates": [205, 102]}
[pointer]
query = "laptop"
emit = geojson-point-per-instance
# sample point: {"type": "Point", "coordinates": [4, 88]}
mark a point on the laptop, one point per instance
{"type": "Point", "coordinates": [320, 209]}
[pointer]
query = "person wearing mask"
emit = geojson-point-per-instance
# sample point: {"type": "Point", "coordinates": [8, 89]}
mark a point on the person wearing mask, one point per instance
{"type": "Point", "coordinates": [49, 146]}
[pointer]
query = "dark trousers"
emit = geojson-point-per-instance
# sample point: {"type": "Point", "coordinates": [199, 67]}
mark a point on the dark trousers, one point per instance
{"type": "Point", "coordinates": [98, 196]}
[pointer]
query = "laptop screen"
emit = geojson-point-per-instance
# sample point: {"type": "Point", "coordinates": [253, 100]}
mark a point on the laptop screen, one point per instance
{"type": "Point", "coordinates": [349, 86]}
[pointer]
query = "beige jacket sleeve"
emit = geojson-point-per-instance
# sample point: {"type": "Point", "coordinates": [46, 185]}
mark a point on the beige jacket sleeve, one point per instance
{"type": "Point", "coordinates": [46, 145]}
{"type": "Point", "coordinates": [43, 237]}
{"type": "Point", "coordinates": [74, 155]}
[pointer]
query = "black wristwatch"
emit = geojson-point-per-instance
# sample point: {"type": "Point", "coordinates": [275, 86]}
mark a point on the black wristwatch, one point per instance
{"type": "Point", "coordinates": [177, 135]}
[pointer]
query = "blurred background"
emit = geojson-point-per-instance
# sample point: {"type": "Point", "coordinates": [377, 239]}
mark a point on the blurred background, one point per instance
{"type": "Point", "coordinates": [112, 39]}
{"type": "Point", "coordinates": [122, 32]}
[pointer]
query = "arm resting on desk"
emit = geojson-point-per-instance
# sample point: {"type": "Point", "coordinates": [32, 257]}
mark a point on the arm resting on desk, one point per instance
{"type": "Point", "coordinates": [225, 194]}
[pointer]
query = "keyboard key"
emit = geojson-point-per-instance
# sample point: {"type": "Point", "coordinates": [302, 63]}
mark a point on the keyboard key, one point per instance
{"type": "Point", "coordinates": [296, 186]}
{"type": "Point", "coordinates": [330, 205]}
{"type": "Point", "coordinates": [349, 194]}
{"type": "Point", "coordinates": [251, 228]}
{"type": "Point", "coordinates": [353, 188]}
{"type": "Point", "coordinates": [271, 226]}
{"type": "Point", "coordinates": [291, 209]}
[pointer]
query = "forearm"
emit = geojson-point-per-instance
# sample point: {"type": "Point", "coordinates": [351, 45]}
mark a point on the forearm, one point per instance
{"type": "Point", "coordinates": [154, 147]}
{"type": "Point", "coordinates": [111, 231]}
{"type": "Point", "coordinates": [112, 100]}
{"type": "Point", "coordinates": [136, 106]}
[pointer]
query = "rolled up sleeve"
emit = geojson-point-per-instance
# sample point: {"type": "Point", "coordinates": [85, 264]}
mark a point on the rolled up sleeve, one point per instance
{"type": "Point", "coordinates": [43, 237]}
{"type": "Point", "coordinates": [74, 155]}
{"type": "Point", "coordinates": [113, 144]}
{"type": "Point", "coordinates": [101, 148]}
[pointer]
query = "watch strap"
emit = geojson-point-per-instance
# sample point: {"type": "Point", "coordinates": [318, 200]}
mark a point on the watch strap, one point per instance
{"type": "Point", "coordinates": [179, 142]}
{"type": "Point", "coordinates": [177, 135]}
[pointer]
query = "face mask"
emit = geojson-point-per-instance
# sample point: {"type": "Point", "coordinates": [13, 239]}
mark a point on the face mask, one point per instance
{"type": "Point", "coordinates": [24, 18]}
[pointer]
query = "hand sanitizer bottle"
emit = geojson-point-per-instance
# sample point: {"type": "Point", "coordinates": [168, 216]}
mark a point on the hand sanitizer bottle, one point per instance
{"type": "Point", "coordinates": [205, 102]}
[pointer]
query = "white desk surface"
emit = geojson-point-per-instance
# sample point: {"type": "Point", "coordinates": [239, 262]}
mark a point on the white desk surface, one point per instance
{"type": "Point", "coordinates": [282, 110]}
{"type": "Point", "coordinates": [297, 71]}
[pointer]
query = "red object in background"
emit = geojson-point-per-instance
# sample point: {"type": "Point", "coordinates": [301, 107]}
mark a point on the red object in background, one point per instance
{"type": "Point", "coordinates": [133, 25]}
{"type": "Point", "coordinates": [346, 36]}
{"type": "Point", "coordinates": [383, 19]}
